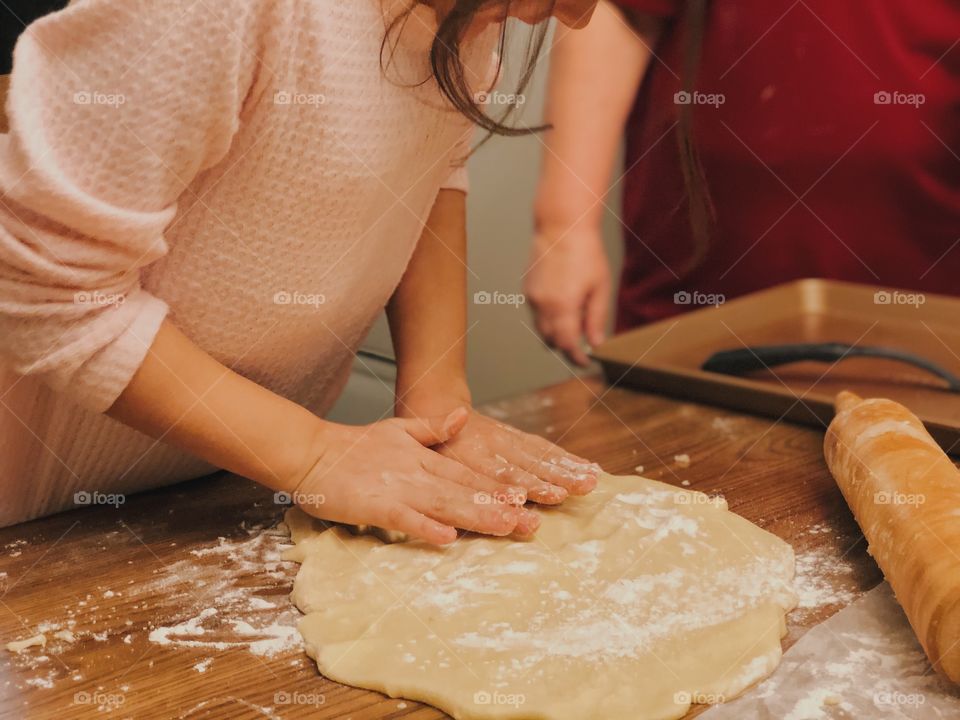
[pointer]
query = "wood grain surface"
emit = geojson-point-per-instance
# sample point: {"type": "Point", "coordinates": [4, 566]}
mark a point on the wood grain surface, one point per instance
{"type": "Point", "coordinates": [118, 573]}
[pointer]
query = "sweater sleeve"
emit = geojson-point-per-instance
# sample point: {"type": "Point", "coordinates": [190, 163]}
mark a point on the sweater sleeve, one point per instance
{"type": "Point", "coordinates": [115, 106]}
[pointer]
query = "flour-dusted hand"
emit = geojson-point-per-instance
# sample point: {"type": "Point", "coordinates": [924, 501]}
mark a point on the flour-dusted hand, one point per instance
{"type": "Point", "coordinates": [546, 471]}
{"type": "Point", "coordinates": [384, 474]}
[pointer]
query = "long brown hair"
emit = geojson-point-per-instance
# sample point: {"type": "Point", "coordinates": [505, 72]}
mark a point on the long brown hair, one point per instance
{"type": "Point", "coordinates": [447, 66]}
{"type": "Point", "coordinates": [699, 206]}
{"type": "Point", "coordinates": [448, 71]}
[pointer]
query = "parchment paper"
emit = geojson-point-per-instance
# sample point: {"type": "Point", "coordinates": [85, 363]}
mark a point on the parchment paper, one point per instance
{"type": "Point", "coordinates": [864, 662]}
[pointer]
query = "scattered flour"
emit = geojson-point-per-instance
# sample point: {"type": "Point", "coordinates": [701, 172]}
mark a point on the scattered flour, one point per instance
{"type": "Point", "coordinates": [193, 626]}
{"type": "Point", "coordinates": [65, 635]}
{"type": "Point", "coordinates": [725, 425]}
{"type": "Point", "coordinates": [225, 591]}
{"type": "Point", "coordinates": [517, 567]}
{"type": "Point", "coordinates": [18, 646]}
{"type": "Point", "coordinates": [572, 468]}
{"type": "Point", "coordinates": [811, 706]}
{"type": "Point", "coordinates": [676, 523]}
{"type": "Point", "coordinates": [591, 631]}
{"type": "Point", "coordinates": [650, 497]}
{"type": "Point", "coordinates": [630, 591]}
{"type": "Point", "coordinates": [821, 580]}
{"type": "Point", "coordinates": [240, 568]}
{"type": "Point", "coordinates": [41, 682]}
{"type": "Point", "coordinates": [863, 662]}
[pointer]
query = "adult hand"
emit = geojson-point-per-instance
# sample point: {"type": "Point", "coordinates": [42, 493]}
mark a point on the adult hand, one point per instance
{"type": "Point", "coordinates": [568, 286]}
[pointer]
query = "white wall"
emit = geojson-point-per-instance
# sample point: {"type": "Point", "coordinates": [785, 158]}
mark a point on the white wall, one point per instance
{"type": "Point", "coordinates": [504, 356]}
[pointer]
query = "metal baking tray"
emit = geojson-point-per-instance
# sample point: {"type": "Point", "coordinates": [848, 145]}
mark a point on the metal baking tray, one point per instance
{"type": "Point", "coordinates": [665, 357]}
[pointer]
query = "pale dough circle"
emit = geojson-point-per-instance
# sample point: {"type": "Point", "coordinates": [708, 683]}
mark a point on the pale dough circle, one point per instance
{"type": "Point", "coordinates": [631, 602]}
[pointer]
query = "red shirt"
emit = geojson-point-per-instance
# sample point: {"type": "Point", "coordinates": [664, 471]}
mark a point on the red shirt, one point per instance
{"type": "Point", "coordinates": [879, 183]}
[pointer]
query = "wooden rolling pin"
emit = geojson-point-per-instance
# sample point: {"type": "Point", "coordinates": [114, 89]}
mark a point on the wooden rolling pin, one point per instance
{"type": "Point", "coordinates": [905, 493]}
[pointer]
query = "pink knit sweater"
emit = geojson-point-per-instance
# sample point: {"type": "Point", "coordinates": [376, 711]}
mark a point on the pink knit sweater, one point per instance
{"type": "Point", "coordinates": [241, 166]}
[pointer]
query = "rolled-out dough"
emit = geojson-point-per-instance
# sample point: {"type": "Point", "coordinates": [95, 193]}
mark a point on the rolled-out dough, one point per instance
{"type": "Point", "coordinates": [631, 602]}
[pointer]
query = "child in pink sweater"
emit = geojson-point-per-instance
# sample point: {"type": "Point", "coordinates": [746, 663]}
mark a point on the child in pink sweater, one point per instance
{"type": "Point", "coordinates": [203, 207]}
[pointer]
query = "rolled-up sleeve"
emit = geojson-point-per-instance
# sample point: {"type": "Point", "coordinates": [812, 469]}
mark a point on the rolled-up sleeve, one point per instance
{"type": "Point", "coordinates": [114, 107]}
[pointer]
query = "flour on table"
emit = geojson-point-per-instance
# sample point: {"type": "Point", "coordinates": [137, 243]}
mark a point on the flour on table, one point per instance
{"type": "Point", "coordinates": [726, 425]}
{"type": "Point", "coordinates": [227, 575]}
{"type": "Point", "coordinates": [863, 662]}
{"type": "Point", "coordinates": [18, 646]}
{"type": "Point", "coordinates": [15, 548]}
{"type": "Point", "coordinates": [821, 581]}
{"type": "Point", "coordinates": [45, 682]}
{"type": "Point", "coordinates": [229, 595]}
{"type": "Point", "coordinates": [648, 595]}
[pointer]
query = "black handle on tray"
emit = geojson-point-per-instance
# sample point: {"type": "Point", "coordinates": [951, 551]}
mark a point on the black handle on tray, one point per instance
{"type": "Point", "coordinates": [748, 359]}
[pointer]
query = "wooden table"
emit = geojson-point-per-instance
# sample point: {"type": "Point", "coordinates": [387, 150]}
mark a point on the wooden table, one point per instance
{"type": "Point", "coordinates": [119, 573]}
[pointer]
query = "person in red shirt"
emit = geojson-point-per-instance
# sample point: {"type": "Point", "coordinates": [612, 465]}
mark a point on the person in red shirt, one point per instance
{"type": "Point", "coordinates": [766, 141]}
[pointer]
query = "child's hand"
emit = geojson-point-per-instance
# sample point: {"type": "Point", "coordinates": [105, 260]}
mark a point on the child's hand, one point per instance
{"type": "Point", "coordinates": [547, 472]}
{"type": "Point", "coordinates": [384, 474]}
